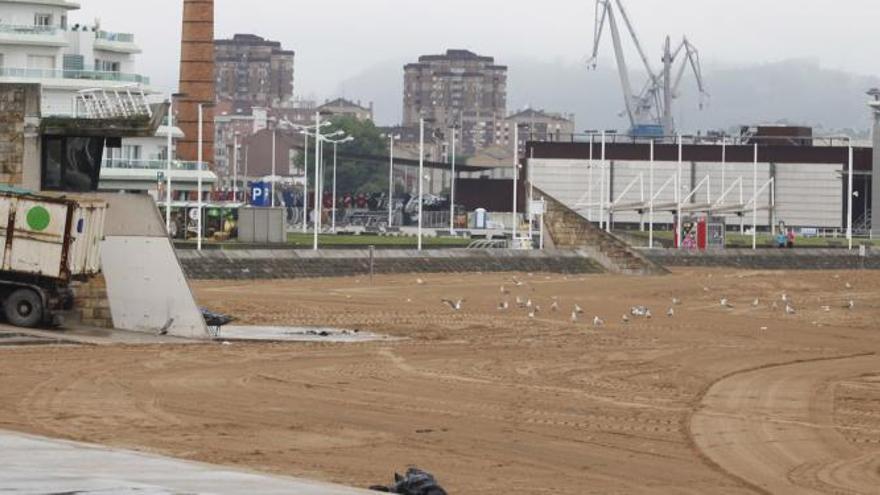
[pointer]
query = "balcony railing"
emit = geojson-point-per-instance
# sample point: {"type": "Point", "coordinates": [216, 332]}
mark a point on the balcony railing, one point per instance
{"type": "Point", "coordinates": [24, 29]}
{"type": "Point", "coordinates": [115, 37]}
{"type": "Point", "coordinates": [91, 75]}
{"type": "Point", "coordinates": [124, 164]}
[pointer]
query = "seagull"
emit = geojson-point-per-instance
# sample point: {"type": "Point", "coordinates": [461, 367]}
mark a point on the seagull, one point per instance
{"type": "Point", "coordinates": [851, 305]}
{"type": "Point", "coordinates": [455, 305]}
{"type": "Point", "coordinates": [554, 307]}
{"type": "Point", "coordinates": [756, 303]}
{"type": "Point", "coordinates": [676, 301]}
{"type": "Point", "coordinates": [725, 303]}
{"type": "Point", "coordinates": [517, 282]}
{"type": "Point", "coordinates": [848, 285]}
{"type": "Point", "coordinates": [574, 316]}
{"type": "Point", "coordinates": [420, 281]}
{"type": "Point", "coordinates": [519, 301]}
{"type": "Point", "coordinates": [648, 314]}
{"type": "Point", "coordinates": [578, 309]}
{"type": "Point", "coordinates": [504, 290]}
{"type": "Point", "coordinates": [785, 297]}
{"type": "Point", "coordinates": [529, 303]}
{"type": "Point", "coordinates": [532, 313]}
{"type": "Point", "coordinates": [598, 322]}
{"type": "Point", "coordinates": [409, 300]}
{"type": "Point", "coordinates": [503, 306]}
{"type": "Point", "coordinates": [671, 312]}
{"type": "Point", "coordinates": [625, 318]}
{"type": "Point", "coordinates": [789, 310]}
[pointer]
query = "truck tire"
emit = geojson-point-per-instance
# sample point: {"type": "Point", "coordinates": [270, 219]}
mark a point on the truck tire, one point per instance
{"type": "Point", "coordinates": [24, 308]}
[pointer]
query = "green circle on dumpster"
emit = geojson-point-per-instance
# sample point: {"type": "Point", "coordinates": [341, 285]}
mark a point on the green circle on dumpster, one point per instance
{"type": "Point", "coordinates": [38, 218]}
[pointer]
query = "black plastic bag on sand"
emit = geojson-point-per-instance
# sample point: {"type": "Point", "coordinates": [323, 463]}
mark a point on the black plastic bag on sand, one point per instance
{"type": "Point", "coordinates": [416, 482]}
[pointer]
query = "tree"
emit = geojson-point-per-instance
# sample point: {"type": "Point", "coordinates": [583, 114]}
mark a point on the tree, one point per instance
{"type": "Point", "coordinates": [353, 175]}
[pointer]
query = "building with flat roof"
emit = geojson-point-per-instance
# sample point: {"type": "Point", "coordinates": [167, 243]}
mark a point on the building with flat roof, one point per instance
{"type": "Point", "coordinates": [252, 69]}
{"type": "Point", "coordinates": [458, 90]}
{"type": "Point", "coordinates": [340, 107]}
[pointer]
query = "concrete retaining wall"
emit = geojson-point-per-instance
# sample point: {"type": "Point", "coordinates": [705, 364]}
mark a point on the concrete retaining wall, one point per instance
{"type": "Point", "coordinates": [767, 259]}
{"type": "Point", "coordinates": [288, 264]}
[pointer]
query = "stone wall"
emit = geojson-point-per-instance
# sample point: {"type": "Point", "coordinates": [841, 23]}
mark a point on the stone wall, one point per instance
{"type": "Point", "coordinates": [91, 304]}
{"type": "Point", "coordinates": [291, 264]}
{"type": "Point", "coordinates": [767, 259]}
{"type": "Point", "coordinates": [19, 106]}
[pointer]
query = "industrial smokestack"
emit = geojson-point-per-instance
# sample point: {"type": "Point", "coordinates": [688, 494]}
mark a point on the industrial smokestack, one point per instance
{"type": "Point", "coordinates": [196, 79]}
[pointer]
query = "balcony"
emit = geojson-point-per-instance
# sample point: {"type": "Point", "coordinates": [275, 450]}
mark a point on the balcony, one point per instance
{"type": "Point", "coordinates": [160, 165]}
{"type": "Point", "coordinates": [31, 35]}
{"type": "Point", "coordinates": [90, 75]}
{"type": "Point", "coordinates": [115, 42]}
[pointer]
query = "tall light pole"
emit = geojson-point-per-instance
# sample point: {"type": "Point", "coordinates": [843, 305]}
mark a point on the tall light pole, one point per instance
{"type": "Point", "coordinates": [849, 216]}
{"type": "Point", "coordinates": [421, 176]}
{"type": "Point", "coordinates": [235, 167]}
{"type": "Point", "coordinates": [199, 224]}
{"type": "Point", "coordinates": [452, 189]}
{"type": "Point", "coordinates": [755, 201]}
{"type": "Point", "coordinates": [391, 180]}
{"type": "Point", "coordinates": [274, 159]}
{"type": "Point", "coordinates": [317, 177]}
{"type": "Point", "coordinates": [168, 167]}
{"type": "Point", "coordinates": [335, 154]}
{"type": "Point", "coordinates": [306, 183]}
{"type": "Point", "coordinates": [515, 179]}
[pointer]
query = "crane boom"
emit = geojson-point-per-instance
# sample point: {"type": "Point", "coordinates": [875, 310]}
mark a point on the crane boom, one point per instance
{"type": "Point", "coordinates": [651, 109]}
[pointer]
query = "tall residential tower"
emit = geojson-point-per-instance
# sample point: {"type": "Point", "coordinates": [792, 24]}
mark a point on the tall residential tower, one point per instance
{"type": "Point", "coordinates": [461, 90]}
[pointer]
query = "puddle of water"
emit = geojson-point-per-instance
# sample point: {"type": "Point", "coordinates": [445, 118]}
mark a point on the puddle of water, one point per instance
{"type": "Point", "coordinates": [299, 334]}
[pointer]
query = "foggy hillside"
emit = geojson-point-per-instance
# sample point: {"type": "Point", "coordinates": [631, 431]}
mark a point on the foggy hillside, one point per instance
{"type": "Point", "coordinates": [793, 91]}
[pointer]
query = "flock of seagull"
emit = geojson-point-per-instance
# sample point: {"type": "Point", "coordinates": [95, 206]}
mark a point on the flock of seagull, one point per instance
{"type": "Point", "coordinates": [533, 309]}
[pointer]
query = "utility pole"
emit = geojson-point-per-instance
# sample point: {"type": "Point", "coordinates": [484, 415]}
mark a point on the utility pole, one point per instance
{"type": "Point", "coordinates": [875, 179]}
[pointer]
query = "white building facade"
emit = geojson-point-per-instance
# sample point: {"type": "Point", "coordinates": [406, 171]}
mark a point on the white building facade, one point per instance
{"type": "Point", "coordinates": [40, 42]}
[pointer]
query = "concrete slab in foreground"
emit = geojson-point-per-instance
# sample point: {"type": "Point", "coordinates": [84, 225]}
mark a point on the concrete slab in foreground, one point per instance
{"type": "Point", "coordinates": [33, 465]}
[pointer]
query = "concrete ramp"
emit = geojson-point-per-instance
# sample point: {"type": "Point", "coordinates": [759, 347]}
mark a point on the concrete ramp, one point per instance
{"type": "Point", "coordinates": [567, 229]}
{"type": "Point", "coordinates": [146, 285]}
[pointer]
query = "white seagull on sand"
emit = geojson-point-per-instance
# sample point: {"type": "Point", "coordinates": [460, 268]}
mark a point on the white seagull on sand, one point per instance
{"type": "Point", "coordinates": [725, 303]}
{"type": "Point", "coordinates": [455, 305]}
{"type": "Point", "coordinates": [598, 322]}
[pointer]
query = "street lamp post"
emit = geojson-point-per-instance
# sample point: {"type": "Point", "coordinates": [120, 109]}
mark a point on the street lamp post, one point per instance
{"type": "Point", "coordinates": [306, 184]}
{"type": "Point", "coordinates": [452, 189]}
{"type": "Point", "coordinates": [199, 205]}
{"type": "Point", "coordinates": [168, 167]}
{"type": "Point", "coordinates": [335, 154]}
{"type": "Point", "coordinates": [849, 217]}
{"type": "Point", "coordinates": [421, 177]}
{"type": "Point", "coordinates": [274, 159]}
{"type": "Point", "coordinates": [235, 167]}
{"type": "Point", "coordinates": [515, 179]}
{"type": "Point", "coordinates": [391, 180]}
{"type": "Point", "coordinates": [317, 177]}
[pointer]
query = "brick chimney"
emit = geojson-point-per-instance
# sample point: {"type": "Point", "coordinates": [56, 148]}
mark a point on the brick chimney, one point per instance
{"type": "Point", "coordinates": [196, 79]}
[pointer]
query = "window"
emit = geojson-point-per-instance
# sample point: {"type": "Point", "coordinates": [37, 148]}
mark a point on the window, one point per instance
{"type": "Point", "coordinates": [71, 164]}
{"type": "Point", "coordinates": [106, 66]}
{"type": "Point", "coordinates": [131, 152]}
{"type": "Point", "coordinates": [43, 20]}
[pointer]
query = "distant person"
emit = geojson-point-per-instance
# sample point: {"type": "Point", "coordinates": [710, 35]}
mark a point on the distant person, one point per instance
{"type": "Point", "coordinates": [790, 239]}
{"type": "Point", "coordinates": [781, 240]}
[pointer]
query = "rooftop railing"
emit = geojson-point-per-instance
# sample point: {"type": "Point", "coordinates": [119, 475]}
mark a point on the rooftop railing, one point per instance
{"type": "Point", "coordinates": [91, 75]}
{"type": "Point", "coordinates": [24, 29]}
{"type": "Point", "coordinates": [115, 37]}
{"type": "Point", "coordinates": [125, 164]}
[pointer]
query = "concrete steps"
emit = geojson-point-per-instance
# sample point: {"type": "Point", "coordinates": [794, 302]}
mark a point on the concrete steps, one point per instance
{"type": "Point", "coordinates": [569, 230]}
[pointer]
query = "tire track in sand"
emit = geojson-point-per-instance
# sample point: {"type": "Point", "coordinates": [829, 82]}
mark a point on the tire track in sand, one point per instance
{"type": "Point", "coordinates": [773, 428]}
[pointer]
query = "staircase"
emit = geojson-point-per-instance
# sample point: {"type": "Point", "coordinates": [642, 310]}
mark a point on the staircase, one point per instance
{"type": "Point", "coordinates": [567, 229]}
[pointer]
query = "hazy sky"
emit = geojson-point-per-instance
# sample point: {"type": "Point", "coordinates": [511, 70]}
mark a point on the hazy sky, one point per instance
{"type": "Point", "coordinates": [337, 39]}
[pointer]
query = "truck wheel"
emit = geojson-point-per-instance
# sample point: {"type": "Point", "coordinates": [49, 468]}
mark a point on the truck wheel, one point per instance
{"type": "Point", "coordinates": [24, 308]}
